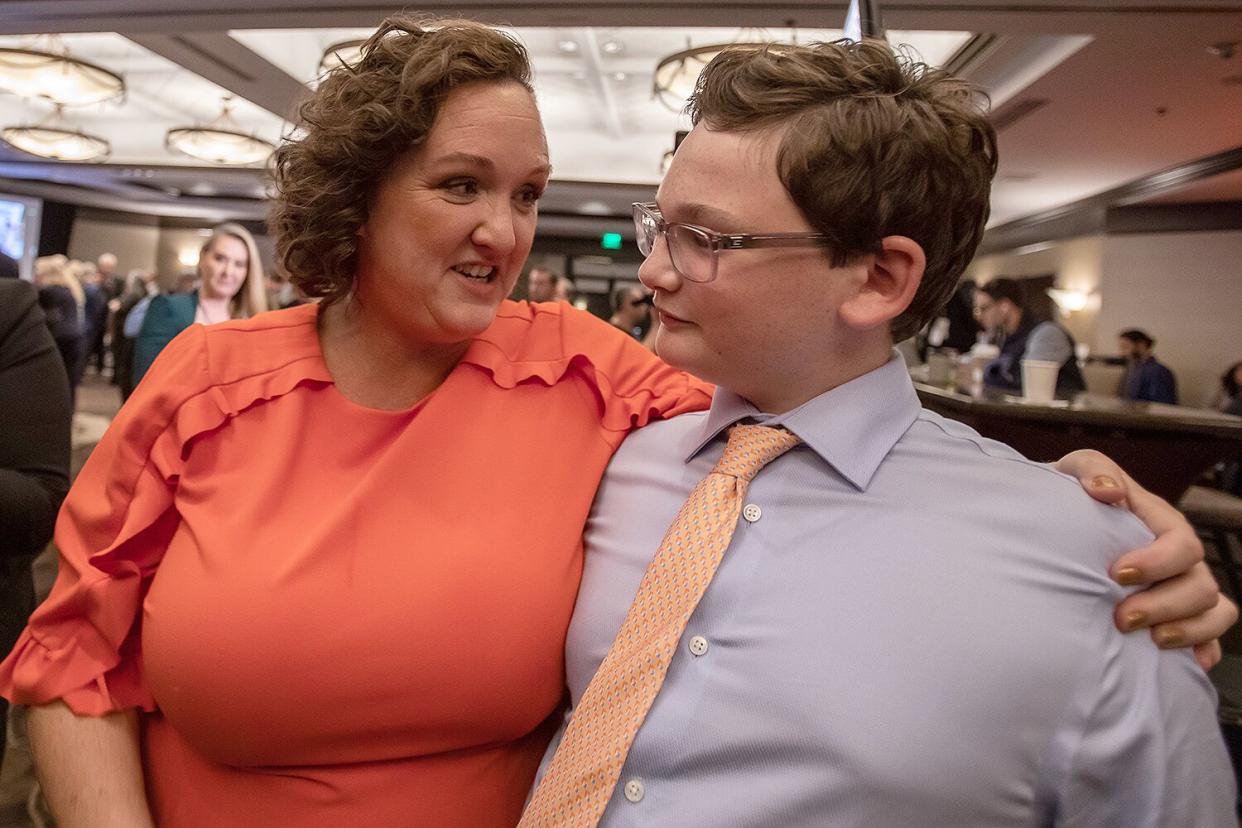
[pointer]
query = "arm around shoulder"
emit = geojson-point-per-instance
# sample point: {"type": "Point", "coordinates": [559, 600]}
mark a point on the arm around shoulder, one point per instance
{"type": "Point", "coordinates": [634, 384]}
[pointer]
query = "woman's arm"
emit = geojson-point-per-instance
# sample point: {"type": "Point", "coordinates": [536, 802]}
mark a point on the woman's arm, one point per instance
{"type": "Point", "coordinates": [1181, 603]}
{"type": "Point", "coordinates": [89, 767]}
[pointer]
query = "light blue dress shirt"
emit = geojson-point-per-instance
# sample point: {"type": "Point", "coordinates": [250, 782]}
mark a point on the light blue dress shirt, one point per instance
{"type": "Point", "coordinates": [914, 630]}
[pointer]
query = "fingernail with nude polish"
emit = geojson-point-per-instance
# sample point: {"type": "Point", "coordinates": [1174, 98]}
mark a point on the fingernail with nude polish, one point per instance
{"type": "Point", "coordinates": [1169, 638]}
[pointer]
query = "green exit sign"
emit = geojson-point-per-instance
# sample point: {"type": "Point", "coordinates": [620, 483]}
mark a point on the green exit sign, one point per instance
{"type": "Point", "coordinates": [610, 241]}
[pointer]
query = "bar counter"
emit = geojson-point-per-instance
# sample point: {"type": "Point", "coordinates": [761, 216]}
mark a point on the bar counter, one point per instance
{"type": "Point", "coordinates": [1164, 447]}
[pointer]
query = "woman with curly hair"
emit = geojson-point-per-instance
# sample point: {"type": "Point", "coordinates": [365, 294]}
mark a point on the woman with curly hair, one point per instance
{"type": "Point", "coordinates": [320, 570]}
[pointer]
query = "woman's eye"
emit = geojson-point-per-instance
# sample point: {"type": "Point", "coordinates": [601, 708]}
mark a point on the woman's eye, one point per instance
{"type": "Point", "coordinates": [463, 187]}
{"type": "Point", "coordinates": [529, 197]}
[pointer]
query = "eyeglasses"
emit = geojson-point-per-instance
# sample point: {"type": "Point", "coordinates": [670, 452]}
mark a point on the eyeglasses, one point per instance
{"type": "Point", "coordinates": [695, 250]}
{"type": "Point", "coordinates": [982, 308]}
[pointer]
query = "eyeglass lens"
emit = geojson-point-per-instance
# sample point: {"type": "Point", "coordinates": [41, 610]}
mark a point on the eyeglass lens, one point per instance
{"type": "Point", "coordinates": [690, 250]}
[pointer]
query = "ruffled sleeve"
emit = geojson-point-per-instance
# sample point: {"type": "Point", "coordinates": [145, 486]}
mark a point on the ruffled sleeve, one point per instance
{"type": "Point", "coordinates": [82, 644]}
{"type": "Point", "coordinates": [548, 342]}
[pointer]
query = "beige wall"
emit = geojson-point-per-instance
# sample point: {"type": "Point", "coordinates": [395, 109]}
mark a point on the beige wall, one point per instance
{"type": "Point", "coordinates": [134, 244]}
{"type": "Point", "coordinates": [1184, 289]}
{"type": "Point", "coordinates": [1078, 265]}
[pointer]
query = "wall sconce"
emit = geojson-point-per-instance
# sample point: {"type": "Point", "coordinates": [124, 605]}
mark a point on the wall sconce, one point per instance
{"type": "Point", "coordinates": [1069, 301]}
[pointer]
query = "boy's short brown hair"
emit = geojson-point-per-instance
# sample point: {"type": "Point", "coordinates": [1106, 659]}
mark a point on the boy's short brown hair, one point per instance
{"type": "Point", "coordinates": [874, 144]}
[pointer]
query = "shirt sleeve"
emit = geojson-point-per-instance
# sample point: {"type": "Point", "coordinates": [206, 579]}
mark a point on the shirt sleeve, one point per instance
{"type": "Point", "coordinates": [633, 385]}
{"type": "Point", "coordinates": [35, 410]}
{"type": "Point", "coordinates": [1050, 343]}
{"type": "Point", "coordinates": [82, 645]}
{"type": "Point", "coordinates": [159, 326]}
{"type": "Point", "coordinates": [1151, 752]}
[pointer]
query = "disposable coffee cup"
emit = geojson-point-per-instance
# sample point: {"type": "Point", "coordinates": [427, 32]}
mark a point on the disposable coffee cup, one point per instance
{"type": "Point", "coordinates": [939, 368]}
{"type": "Point", "coordinates": [1039, 380]}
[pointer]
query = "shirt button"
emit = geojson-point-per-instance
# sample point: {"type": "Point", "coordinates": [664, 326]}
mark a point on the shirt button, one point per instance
{"type": "Point", "coordinates": [752, 513]}
{"type": "Point", "coordinates": [634, 790]}
{"type": "Point", "coordinates": [698, 645]}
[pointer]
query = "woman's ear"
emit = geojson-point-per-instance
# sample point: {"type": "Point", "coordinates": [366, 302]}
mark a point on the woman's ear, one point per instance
{"type": "Point", "coordinates": [893, 277]}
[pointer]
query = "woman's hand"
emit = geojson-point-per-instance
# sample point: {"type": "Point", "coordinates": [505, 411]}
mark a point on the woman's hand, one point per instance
{"type": "Point", "coordinates": [1182, 603]}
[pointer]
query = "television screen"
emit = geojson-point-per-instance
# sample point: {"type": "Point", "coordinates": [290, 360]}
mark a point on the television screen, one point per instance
{"type": "Point", "coordinates": [19, 230]}
{"type": "Point", "coordinates": [12, 229]}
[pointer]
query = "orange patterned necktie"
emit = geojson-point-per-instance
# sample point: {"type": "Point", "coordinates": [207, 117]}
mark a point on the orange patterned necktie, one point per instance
{"type": "Point", "coordinates": [583, 772]}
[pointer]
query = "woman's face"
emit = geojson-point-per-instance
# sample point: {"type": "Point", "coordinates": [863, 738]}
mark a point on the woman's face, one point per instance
{"type": "Point", "coordinates": [222, 268]}
{"type": "Point", "coordinates": [450, 226]}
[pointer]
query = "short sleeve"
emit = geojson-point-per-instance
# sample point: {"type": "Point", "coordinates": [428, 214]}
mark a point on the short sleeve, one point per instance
{"type": "Point", "coordinates": [550, 342]}
{"type": "Point", "coordinates": [634, 385]}
{"type": "Point", "coordinates": [82, 644]}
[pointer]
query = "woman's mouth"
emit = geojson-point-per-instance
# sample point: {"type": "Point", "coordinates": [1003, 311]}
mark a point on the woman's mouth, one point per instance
{"type": "Point", "coordinates": [478, 273]}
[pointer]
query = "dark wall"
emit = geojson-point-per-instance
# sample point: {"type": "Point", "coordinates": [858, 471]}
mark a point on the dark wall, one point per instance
{"type": "Point", "coordinates": [54, 230]}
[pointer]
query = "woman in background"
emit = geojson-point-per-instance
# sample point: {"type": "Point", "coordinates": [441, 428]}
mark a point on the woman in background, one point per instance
{"type": "Point", "coordinates": [230, 286]}
{"type": "Point", "coordinates": [64, 307]}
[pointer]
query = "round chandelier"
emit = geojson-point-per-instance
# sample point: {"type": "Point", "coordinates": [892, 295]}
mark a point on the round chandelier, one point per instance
{"type": "Point", "coordinates": [54, 75]}
{"type": "Point", "coordinates": [50, 139]}
{"type": "Point", "coordinates": [676, 75]}
{"type": "Point", "coordinates": [345, 53]}
{"type": "Point", "coordinates": [221, 142]}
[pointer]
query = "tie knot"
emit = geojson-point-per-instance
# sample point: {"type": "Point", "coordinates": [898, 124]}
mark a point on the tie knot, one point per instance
{"type": "Point", "coordinates": [751, 447]}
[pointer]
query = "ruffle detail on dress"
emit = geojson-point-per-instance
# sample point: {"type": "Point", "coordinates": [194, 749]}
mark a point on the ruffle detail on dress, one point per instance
{"type": "Point", "coordinates": [549, 342]}
{"type": "Point", "coordinates": [83, 645]}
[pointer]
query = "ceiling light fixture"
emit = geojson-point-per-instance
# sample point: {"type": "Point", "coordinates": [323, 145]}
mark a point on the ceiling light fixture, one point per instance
{"type": "Point", "coordinates": [612, 47]}
{"type": "Point", "coordinates": [676, 75]}
{"type": "Point", "coordinates": [220, 142]}
{"type": "Point", "coordinates": [54, 75]}
{"type": "Point", "coordinates": [51, 138]}
{"type": "Point", "coordinates": [568, 47]}
{"type": "Point", "coordinates": [345, 53]}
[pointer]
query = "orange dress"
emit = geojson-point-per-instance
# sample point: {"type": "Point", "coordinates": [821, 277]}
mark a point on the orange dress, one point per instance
{"type": "Point", "coordinates": [334, 615]}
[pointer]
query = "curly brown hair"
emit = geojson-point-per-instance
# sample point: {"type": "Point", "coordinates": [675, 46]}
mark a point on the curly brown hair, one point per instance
{"type": "Point", "coordinates": [358, 122]}
{"type": "Point", "coordinates": [874, 144]}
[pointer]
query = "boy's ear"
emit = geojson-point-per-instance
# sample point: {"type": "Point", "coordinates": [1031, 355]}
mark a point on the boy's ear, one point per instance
{"type": "Point", "coordinates": [893, 277]}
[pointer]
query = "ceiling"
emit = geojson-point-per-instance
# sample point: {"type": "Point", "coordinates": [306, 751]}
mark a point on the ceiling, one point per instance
{"type": "Point", "coordinates": [1087, 95]}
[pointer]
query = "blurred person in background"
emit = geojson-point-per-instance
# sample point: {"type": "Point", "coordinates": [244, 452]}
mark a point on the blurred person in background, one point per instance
{"type": "Point", "coordinates": [230, 286]}
{"type": "Point", "coordinates": [564, 289]}
{"type": "Point", "coordinates": [291, 589]}
{"type": "Point", "coordinates": [63, 301]}
{"type": "Point", "coordinates": [113, 282]}
{"type": "Point", "coordinates": [1228, 396]}
{"type": "Point", "coordinates": [1000, 307]}
{"type": "Point", "coordinates": [631, 310]}
{"type": "Point", "coordinates": [541, 285]}
{"type": "Point", "coordinates": [35, 417]}
{"type": "Point", "coordinates": [1146, 378]}
{"type": "Point", "coordinates": [140, 289]}
{"type": "Point", "coordinates": [95, 315]}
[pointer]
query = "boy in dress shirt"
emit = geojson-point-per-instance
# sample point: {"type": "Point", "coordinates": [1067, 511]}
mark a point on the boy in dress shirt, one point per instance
{"type": "Point", "coordinates": [911, 624]}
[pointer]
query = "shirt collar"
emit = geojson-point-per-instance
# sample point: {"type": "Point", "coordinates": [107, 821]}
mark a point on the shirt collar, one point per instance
{"type": "Point", "coordinates": [853, 426]}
